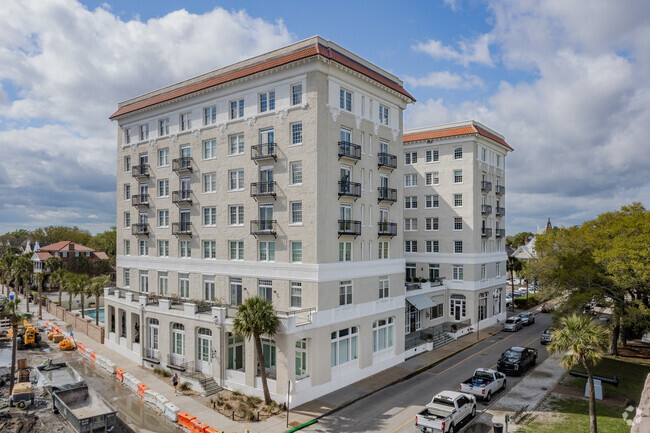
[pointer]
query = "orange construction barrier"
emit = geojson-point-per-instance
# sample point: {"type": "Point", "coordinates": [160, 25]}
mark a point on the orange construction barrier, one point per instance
{"type": "Point", "coordinates": [211, 430]}
{"type": "Point", "coordinates": [81, 348]}
{"type": "Point", "coordinates": [119, 374]}
{"type": "Point", "coordinates": [185, 419]}
{"type": "Point", "coordinates": [92, 355]}
{"type": "Point", "coordinates": [197, 426]}
{"type": "Point", "coordinates": [141, 389]}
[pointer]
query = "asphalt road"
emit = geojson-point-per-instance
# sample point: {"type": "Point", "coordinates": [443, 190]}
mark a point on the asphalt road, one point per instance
{"type": "Point", "coordinates": [394, 408]}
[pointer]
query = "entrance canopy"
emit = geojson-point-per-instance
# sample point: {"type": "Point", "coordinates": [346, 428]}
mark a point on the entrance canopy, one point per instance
{"type": "Point", "coordinates": [421, 302]}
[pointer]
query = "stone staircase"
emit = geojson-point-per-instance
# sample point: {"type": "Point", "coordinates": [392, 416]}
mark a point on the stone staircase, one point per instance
{"type": "Point", "coordinates": [209, 385]}
{"type": "Point", "coordinates": [442, 339]}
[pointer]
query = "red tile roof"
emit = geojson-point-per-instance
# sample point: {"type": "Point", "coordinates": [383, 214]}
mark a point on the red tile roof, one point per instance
{"type": "Point", "coordinates": [316, 49]}
{"type": "Point", "coordinates": [43, 255]}
{"type": "Point", "coordinates": [452, 132]}
{"type": "Point", "coordinates": [65, 246]}
{"type": "Point", "coordinates": [101, 255]}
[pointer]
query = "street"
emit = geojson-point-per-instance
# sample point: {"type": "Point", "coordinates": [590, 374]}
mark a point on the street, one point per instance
{"type": "Point", "coordinates": [393, 409]}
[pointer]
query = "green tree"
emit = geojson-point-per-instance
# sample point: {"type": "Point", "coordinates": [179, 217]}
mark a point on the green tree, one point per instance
{"type": "Point", "coordinates": [513, 265]}
{"type": "Point", "coordinates": [583, 342]}
{"type": "Point", "coordinates": [105, 241]}
{"type": "Point", "coordinates": [255, 317]}
{"type": "Point", "coordinates": [9, 310]}
{"type": "Point", "coordinates": [517, 240]}
{"type": "Point", "coordinates": [96, 289]}
{"type": "Point", "coordinates": [40, 277]}
{"type": "Point", "coordinates": [52, 234]}
{"type": "Point", "coordinates": [21, 270]}
{"type": "Point", "coordinates": [53, 263]}
{"type": "Point", "coordinates": [59, 278]}
{"type": "Point", "coordinates": [77, 286]}
{"type": "Point", "coordinates": [6, 260]}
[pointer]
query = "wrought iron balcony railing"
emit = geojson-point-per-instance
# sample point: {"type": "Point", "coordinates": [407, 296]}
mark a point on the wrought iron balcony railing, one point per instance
{"type": "Point", "coordinates": [263, 227]}
{"type": "Point", "coordinates": [349, 189]}
{"type": "Point", "coordinates": [140, 229]}
{"type": "Point", "coordinates": [387, 194]}
{"type": "Point", "coordinates": [349, 150]}
{"type": "Point", "coordinates": [140, 200]}
{"type": "Point", "coordinates": [263, 189]}
{"type": "Point", "coordinates": [486, 186]}
{"type": "Point", "coordinates": [387, 160]}
{"type": "Point", "coordinates": [386, 229]}
{"type": "Point", "coordinates": [264, 151]}
{"type": "Point", "coordinates": [182, 164]}
{"type": "Point", "coordinates": [182, 229]}
{"type": "Point", "coordinates": [349, 227]}
{"type": "Point", "coordinates": [140, 171]}
{"type": "Point", "coordinates": [486, 209]}
{"type": "Point", "coordinates": [183, 196]}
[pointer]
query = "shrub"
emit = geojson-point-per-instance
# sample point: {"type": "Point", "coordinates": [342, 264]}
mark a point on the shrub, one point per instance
{"type": "Point", "coordinates": [185, 386]}
{"type": "Point", "coordinates": [227, 406]}
{"type": "Point", "coordinates": [408, 279]}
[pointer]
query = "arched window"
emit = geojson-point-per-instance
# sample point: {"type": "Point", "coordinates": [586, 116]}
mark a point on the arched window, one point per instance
{"type": "Point", "coordinates": [205, 331]}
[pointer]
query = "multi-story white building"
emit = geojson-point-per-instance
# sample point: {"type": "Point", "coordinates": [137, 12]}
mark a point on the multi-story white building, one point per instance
{"type": "Point", "coordinates": [277, 176]}
{"type": "Point", "coordinates": [454, 226]}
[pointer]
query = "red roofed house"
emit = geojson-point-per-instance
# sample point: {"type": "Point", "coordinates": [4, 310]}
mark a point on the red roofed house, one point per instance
{"type": "Point", "coordinates": [75, 257]}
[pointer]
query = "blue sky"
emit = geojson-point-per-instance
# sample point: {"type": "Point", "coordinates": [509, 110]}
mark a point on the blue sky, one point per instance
{"type": "Point", "coordinates": [566, 82]}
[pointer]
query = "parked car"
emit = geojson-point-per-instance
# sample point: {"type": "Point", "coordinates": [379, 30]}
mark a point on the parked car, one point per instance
{"type": "Point", "coordinates": [484, 383]}
{"type": "Point", "coordinates": [546, 336]}
{"type": "Point", "coordinates": [527, 318]}
{"type": "Point", "coordinates": [446, 412]}
{"type": "Point", "coordinates": [516, 360]}
{"type": "Point", "coordinates": [547, 308]}
{"type": "Point", "coordinates": [513, 324]}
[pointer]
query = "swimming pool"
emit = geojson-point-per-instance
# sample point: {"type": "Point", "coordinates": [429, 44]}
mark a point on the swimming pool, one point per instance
{"type": "Point", "coordinates": [90, 312]}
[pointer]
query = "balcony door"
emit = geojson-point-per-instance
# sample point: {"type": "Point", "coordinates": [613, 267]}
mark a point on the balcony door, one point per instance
{"type": "Point", "coordinates": [266, 216]}
{"type": "Point", "coordinates": [152, 339]}
{"type": "Point", "coordinates": [144, 159]}
{"type": "Point", "coordinates": [346, 135]}
{"type": "Point", "coordinates": [383, 182]}
{"type": "Point", "coordinates": [178, 344]}
{"type": "Point", "coordinates": [144, 190]}
{"type": "Point", "coordinates": [184, 219]}
{"type": "Point", "coordinates": [383, 216]}
{"type": "Point", "coordinates": [266, 142]}
{"type": "Point", "coordinates": [383, 146]}
{"type": "Point", "coordinates": [204, 351]}
{"type": "Point", "coordinates": [266, 180]}
{"type": "Point", "coordinates": [143, 218]}
{"type": "Point", "coordinates": [186, 151]}
{"type": "Point", "coordinates": [346, 175]}
{"type": "Point", "coordinates": [345, 212]}
{"type": "Point", "coordinates": [185, 188]}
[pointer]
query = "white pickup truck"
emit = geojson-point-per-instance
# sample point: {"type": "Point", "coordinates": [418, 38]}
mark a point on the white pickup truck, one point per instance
{"type": "Point", "coordinates": [446, 412]}
{"type": "Point", "coordinates": [484, 383]}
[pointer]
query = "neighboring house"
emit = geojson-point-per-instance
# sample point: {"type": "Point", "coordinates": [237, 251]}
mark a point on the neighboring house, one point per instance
{"type": "Point", "coordinates": [27, 247]}
{"type": "Point", "coordinates": [527, 251]}
{"type": "Point", "coordinates": [75, 258]}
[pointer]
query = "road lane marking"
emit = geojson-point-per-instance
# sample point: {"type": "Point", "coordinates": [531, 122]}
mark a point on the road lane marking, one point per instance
{"type": "Point", "coordinates": [407, 422]}
{"type": "Point", "coordinates": [481, 351]}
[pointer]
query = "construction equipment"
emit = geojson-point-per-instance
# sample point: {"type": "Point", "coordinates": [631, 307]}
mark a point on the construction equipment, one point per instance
{"type": "Point", "coordinates": [27, 334]}
{"type": "Point", "coordinates": [22, 395]}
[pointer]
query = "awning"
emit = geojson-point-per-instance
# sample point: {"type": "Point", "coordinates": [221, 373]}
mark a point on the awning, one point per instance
{"type": "Point", "coordinates": [421, 302]}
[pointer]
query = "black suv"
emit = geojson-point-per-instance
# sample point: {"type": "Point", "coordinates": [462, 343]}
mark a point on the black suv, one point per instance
{"type": "Point", "coordinates": [517, 359]}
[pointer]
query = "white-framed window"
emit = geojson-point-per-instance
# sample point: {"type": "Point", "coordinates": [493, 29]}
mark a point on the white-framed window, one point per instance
{"type": "Point", "coordinates": [163, 283]}
{"type": "Point", "coordinates": [345, 251]}
{"type": "Point", "coordinates": [144, 132]}
{"type": "Point", "coordinates": [431, 224]}
{"type": "Point", "coordinates": [210, 182]}
{"type": "Point", "coordinates": [296, 212]}
{"type": "Point", "coordinates": [163, 217]}
{"type": "Point", "coordinates": [127, 191]}
{"type": "Point", "coordinates": [410, 180]}
{"type": "Point", "coordinates": [344, 345]}
{"type": "Point", "coordinates": [235, 291]}
{"type": "Point", "coordinates": [209, 249]}
{"type": "Point", "coordinates": [458, 247]}
{"type": "Point", "coordinates": [266, 251]}
{"type": "Point", "coordinates": [345, 100]}
{"type": "Point", "coordinates": [383, 114]}
{"type": "Point", "coordinates": [432, 246]}
{"type": "Point", "coordinates": [296, 133]}
{"type": "Point", "coordinates": [143, 248]}
{"type": "Point", "coordinates": [458, 200]}
{"type": "Point", "coordinates": [185, 121]}
{"type": "Point", "coordinates": [163, 157]}
{"type": "Point", "coordinates": [267, 101]}
{"type": "Point", "coordinates": [431, 201]}
{"type": "Point", "coordinates": [498, 270]}
{"type": "Point", "coordinates": [383, 249]}
{"type": "Point", "coordinates": [296, 94]}
{"type": "Point", "coordinates": [410, 158]}
{"type": "Point", "coordinates": [236, 215]}
{"type": "Point", "coordinates": [458, 223]}
{"type": "Point", "coordinates": [457, 272]}
{"type": "Point", "coordinates": [411, 202]}
{"type": "Point", "coordinates": [163, 188]}
{"type": "Point", "coordinates": [301, 359]}
{"type": "Point", "coordinates": [383, 287]}
{"type": "Point", "coordinates": [457, 306]}
{"type": "Point", "coordinates": [382, 334]}
{"type": "Point", "coordinates": [434, 274]}
{"type": "Point", "coordinates": [410, 224]}
{"type": "Point", "coordinates": [185, 248]}
{"type": "Point", "coordinates": [184, 285]}
{"type": "Point", "coordinates": [237, 109]}
{"type": "Point", "coordinates": [499, 161]}
{"type": "Point", "coordinates": [127, 277]}
{"type": "Point", "coordinates": [458, 153]}
{"type": "Point", "coordinates": [210, 216]}
{"type": "Point", "coordinates": [410, 271]}
{"type": "Point", "coordinates": [236, 250]}
{"type": "Point", "coordinates": [458, 176]}
{"type": "Point", "coordinates": [483, 246]}
{"type": "Point", "coordinates": [163, 126]}
{"type": "Point", "coordinates": [127, 247]}
{"type": "Point", "coordinates": [483, 272]}
{"type": "Point", "coordinates": [127, 220]}
{"type": "Point", "coordinates": [236, 180]}
{"type": "Point", "coordinates": [209, 149]}
{"type": "Point", "coordinates": [296, 251]}
{"type": "Point", "coordinates": [265, 289]}
{"type": "Point", "coordinates": [127, 135]}
{"type": "Point", "coordinates": [410, 246]}
{"type": "Point", "coordinates": [296, 294]}
{"type": "Point", "coordinates": [163, 248]}
{"type": "Point", "coordinates": [209, 292]}
{"type": "Point", "coordinates": [483, 154]}
{"type": "Point", "coordinates": [127, 164]}
{"type": "Point", "coordinates": [345, 293]}
{"type": "Point", "coordinates": [236, 142]}
{"type": "Point", "coordinates": [296, 172]}
{"type": "Point", "coordinates": [210, 115]}
{"type": "Point", "coordinates": [236, 352]}
{"type": "Point", "coordinates": [432, 155]}
{"type": "Point", "coordinates": [432, 178]}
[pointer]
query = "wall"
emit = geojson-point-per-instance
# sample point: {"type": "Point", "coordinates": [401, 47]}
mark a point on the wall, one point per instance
{"type": "Point", "coordinates": [79, 324]}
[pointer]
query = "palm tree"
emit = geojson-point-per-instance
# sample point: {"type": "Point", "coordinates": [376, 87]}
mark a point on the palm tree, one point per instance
{"type": "Point", "coordinates": [39, 280]}
{"type": "Point", "coordinates": [96, 289]}
{"type": "Point", "coordinates": [5, 270]}
{"type": "Point", "coordinates": [73, 286]}
{"type": "Point", "coordinates": [9, 310]}
{"type": "Point", "coordinates": [255, 317]}
{"type": "Point", "coordinates": [58, 278]}
{"type": "Point", "coordinates": [513, 265]}
{"type": "Point", "coordinates": [83, 282]}
{"type": "Point", "coordinates": [21, 270]}
{"type": "Point", "coordinates": [583, 341]}
{"type": "Point", "coordinates": [53, 264]}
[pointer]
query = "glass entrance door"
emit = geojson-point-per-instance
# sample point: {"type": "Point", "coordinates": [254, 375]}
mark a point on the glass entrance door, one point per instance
{"type": "Point", "coordinates": [204, 351]}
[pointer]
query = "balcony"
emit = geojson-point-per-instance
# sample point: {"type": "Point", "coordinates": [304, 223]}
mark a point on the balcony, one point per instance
{"type": "Point", "coordinates": [140, 229]}
{"type": "Point", "coordinates": [263, 228]}
{"type": "Point", "coordinates": [486, 186]}
{"type": "Point", "coordinates": [500, 190]}
{"type": "Point", "coordinates": [500, 233]}
{"type": "Point", "coordinates": [486, 209]}
{"type": "Point", "coordinates": [264, 151]}
{"type": "Point", "coordinates": [182, 165]}
{"type": "Point", "coordinates": [140, 171]}
{"type": "Point", "coordinates": [263, 189]}
{"type": "Point", "coordinates": [349, 227]}
{"type": "Point", "coordinates": [140, 200]}
{"type": "Point", "coordinates": [500, 211]}
{"type": "Point", "coordinates": [349, 150]}
{"type": "Point", "coordinates": [486, 233]}
{"type": "Point", "coordinates": [387, 160]}
{"type": "Point", "coordinates": [182, 229]}
{"type": "Point", "coordinates": [349, 189]}
{"type": "Point", "coordinates": [182, 197]}
{"type": "Point", "coordinates": [386, 229]}
{"type": "Point", "coordinates": [387, 194]}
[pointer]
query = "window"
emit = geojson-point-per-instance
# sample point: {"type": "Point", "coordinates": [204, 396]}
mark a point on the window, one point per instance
{"type": "Point", "coordinates": [296, 212]}
{"type": "Point", "coordinates": [236, 180]}
{"type": "Point", "coordinates": [483, 154]}
{"type": "Point", "coordinates": [432, 178]}
{"type": "Point", "coordinates": [410, 158]}
{"type": "Point", "coordinates": [458, 153]}
{"type": "Point", "coordinates": [236, 144]}
{"type": "Point", "coordinates": [184, 285]}
{"type": "Point", "coordinates": [127, 220]}
{"type": "Point", "coordinates": [432, 246]}
{"type": "Point", "coordinates": [458, 200]}
{"type": "Point", "coordinates": [345, 293]}
{"type": "Point", "coordinates": [163, 127]}
{"type": "Point", "coordinates": [163, 217]}
{"type": "Point", "coordinates": [483, 272]}
{"type": "Point", "coordinates": [143, 248]}
{"type": "Point", "coordinates": [127, 192]}
{"type": "Point", "coordinates": [209, 249]}
{"type": "Point", "coordinates": [383, 287]}
{"type": "Point", "coordinates": [236, 250]}
{"type": "Point", "coordinates": [458, 176]}
{"type": "Point", "coordinates": [411, 202]}
{"type": "Point", "coordinates": [382, 334]}
{"type": "Point", "coordinates": [127, 164]}
{"type": "Point", "coordinates": [210, 216]}
{"type": "Point", "coordinates": [269, 349]}
{"type": "Point", "coordinates": [209, 149]}
{"type": "Point", "coordinates": [210, 115]}
{"type": "Point", "coordinates": [127, 247]}
{"type": "Point", "coordinates": [458, 247]}
{"type": "Point", "coordinates": [265, 289]}
{"type": "Point", "coordinates": [345, 100]}
{"type": "Point", "coordinates": [185, 248]}
{"type": "Point", "coordinates": [301, 359]}
{"type": "Point", "coordinates": [144, 132]}
{"type": "Point", "coordinates": [457, 306]}
{"type": "Point", "coordinates": [483, 247]}
{"type": "Point", "coordinates": [499, 161]}
{"type": "Point", "coordinates": [163, 248]}
{"type": "Point", "coordinates": [432, 155]}
{"type": "Point", "coordinates": [296, 294]}
{"type": "Point", "coordinates": [163, 157]}
{"type": "Point", "coordinates": [383, 114]}
{"type": "Point", "coordinates": [266, 251]}
{"type": "Point", "coordinates": [383, 249]}
{"type": "Point", "coordinates": [185, 122]}
{"type": "Point", "coordinates": [410, 224]}
{"type": "Point", "coordinates": [457, 272]}
{"type": "Point", "coordinates": [208, 293]}
{"type": "Point", "coordinates": [410, 179]}
{"type": "Point", "coordinates": [296, 94]}
{"type": "Point", "coordinates": [235, 352]}
{"type": "Point", "coordinates": [410, 246]}
{"type": "Point", "coordinates": [236, 214]}
{"type": "Point", "coordinates": [458, 223]}
{"type": "Point", "coordinates": [345, 251]}
{"type": "Point", "coordinates": [210, 182]}
{"type": "Point", "coordinates": [127, 135]}
{"type": "Point", "coordinates": [296, 251]}
{"type": "Point", "coordinates": [163, 188]}
{"type": "Point", "coordinates": [163, 283]}
{"type": "Point", "coordinates": [344, 346]}
{"type": "Point", "coordinates": [410, 271]}
{"type": "Point", "coordinates": [498, 270]}
{"type": "Point", "coordinates": [235, 291]}
{"type": "Point", "coordinates": [434, 274]}
{"type": "Point", "coordinates": [127, 277]}
{"type": "Point", "coordinates": [296, 133]}
{"type": "Point", "coordinates": [237, 109]}
{"type": "Point", "coordinates": [432, 201]}
{"type": "Point", "coordinates": [267, 101]}
{"type": "Point", "coordinates": [296, 173]}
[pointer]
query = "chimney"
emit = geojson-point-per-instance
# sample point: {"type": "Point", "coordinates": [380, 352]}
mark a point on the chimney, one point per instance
{"type": "Point", "coordinates": [71, 246]}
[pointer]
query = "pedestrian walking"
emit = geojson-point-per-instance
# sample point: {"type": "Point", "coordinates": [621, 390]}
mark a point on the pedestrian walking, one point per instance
{"type": "Point", "coordinates": [175, 382]}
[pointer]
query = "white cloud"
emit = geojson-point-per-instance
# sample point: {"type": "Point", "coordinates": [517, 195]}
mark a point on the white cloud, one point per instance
{"type": "Point", "coordinates": [445, 80]}
{"type": "Point", "coordinates": [477, 51]}
{"type": "Point", "coordinates": [453, 4]}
